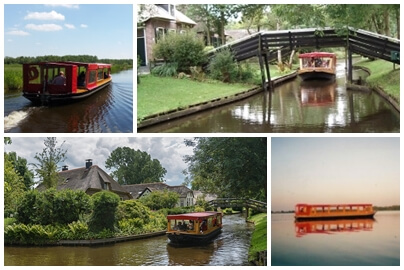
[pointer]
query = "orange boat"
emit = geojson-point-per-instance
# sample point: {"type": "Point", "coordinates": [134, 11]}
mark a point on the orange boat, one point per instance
{"type": "Point", "coordinates": [333, 211]}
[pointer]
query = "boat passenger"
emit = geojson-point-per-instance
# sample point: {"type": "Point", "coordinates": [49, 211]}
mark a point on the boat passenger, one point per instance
{"type": "Point", "coordinates": [81, 79]}
{"type": "Point", "coordinates": [60, 79]}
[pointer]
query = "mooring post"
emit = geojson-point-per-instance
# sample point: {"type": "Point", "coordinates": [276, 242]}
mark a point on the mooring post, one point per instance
{"type": "Point", "coordinates": [261, 61]}
{"type": "Point", "coordinates": [349, 64]}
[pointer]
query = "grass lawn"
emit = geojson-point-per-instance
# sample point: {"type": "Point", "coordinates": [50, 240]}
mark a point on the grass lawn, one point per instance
{"type": "Point", "coordinates": [384, 76]}
{"type": "Point", "coordinates": [161, 94]}
{"type": "Point", "coordinates": [259, 236]}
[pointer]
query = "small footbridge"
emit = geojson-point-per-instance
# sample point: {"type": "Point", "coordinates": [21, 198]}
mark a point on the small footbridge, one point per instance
{"type": "Point", "coordinates": [265, 46]}
{"type": "Point", "coordinates": [239, 203]}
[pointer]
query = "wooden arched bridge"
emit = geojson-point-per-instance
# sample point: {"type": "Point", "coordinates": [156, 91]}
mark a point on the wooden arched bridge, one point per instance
{"type": "Point", "coordinates": [239, 203]}
{"type": "Point", "coordinates": [265, 45]}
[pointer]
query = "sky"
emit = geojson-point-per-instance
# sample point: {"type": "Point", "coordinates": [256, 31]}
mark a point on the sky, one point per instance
{"type": "Point", "coordinates": [95, 29]}
{"type": "Point", "coordinates": [169, 151]}
{"type": "Point", "coordinates": [334, 170]}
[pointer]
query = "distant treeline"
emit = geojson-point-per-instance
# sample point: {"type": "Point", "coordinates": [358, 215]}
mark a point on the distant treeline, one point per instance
{"type": "Point", "coordinates": [387, 208]}
{"type": "Point", "coordinates": [121, 64]}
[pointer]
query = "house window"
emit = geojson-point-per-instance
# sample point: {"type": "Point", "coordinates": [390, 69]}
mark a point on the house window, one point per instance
{"type": "Point", "coordinates": [183, 32]}
{"type": "Point", "coordinates": [106, 186]}
{"type": "Point", "coordinates": [172, 31]}
{"type": "Point", "coordinates": [160, 33]}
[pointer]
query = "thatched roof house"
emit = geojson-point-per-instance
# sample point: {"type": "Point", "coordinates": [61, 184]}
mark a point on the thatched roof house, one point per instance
{"type": "Point", "coordinates": [90, 179]}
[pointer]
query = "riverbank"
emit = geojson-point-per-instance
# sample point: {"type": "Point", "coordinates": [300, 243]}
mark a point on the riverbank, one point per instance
{"type": "Point", "coordinates": [258, 248]}
{"type": "Point", "coordinates": [384, 78]}
{"type": "Point", "coordinates": [185, 97]}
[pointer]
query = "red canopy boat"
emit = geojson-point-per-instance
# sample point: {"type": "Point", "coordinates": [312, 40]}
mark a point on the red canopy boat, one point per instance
{"type": "Point", "coordinates": [194, 228]}
{"type": "Point", "coordinates": [317, 65]}
{"type": "Point", "coordinates": [51, 82]}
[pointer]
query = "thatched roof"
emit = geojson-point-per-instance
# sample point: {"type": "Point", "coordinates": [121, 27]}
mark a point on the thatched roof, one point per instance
{"type": "Point", "coordinates": [93, 178]}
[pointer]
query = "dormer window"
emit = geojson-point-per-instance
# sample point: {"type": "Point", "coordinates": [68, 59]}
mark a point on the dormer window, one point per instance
{"type": "Point", "coordinates": [106, 186]}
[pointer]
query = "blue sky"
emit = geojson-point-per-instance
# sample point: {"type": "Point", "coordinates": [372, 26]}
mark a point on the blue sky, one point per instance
{"type": "Point", "coordinates": [102, 30]}
{"type": "Point", "coordinates": [334, 170]}
{"type": "Point", "coordinates": [169, 151]}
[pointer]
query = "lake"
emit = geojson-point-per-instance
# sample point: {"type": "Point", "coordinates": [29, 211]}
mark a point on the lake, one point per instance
{"type": "Point", "coordinates": [364, 242]}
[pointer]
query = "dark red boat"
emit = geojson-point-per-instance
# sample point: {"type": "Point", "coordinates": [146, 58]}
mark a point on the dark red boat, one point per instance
{"type": "Point", "coordinates": [54, 82]}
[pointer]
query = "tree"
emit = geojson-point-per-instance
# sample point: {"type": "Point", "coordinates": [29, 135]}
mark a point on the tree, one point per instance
{"type": "Point", "coordinates": [13, 187]}
{"type": "Point", "coordinates": [134, 167]}
{"type": "Point", "coordinates": [235, 167]}
{"type": "Point", "coordinates": [21, 167]}
{"type": "Point", "coordinates": [48, 160]}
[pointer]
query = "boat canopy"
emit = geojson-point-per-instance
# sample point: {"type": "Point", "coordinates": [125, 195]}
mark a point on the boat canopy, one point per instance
{"type": "Point", "coordinates": [333, 205]}
{"type": "Point", "coordinates": [192, 216]}
{"type": "Point", "coordinates": [317, 54]}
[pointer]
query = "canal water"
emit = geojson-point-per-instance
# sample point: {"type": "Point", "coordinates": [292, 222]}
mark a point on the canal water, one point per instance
{"type": "Point", "coordinates": [295, 106]}
{"type": "Point", "coordinates": [230, 248]}
{"type": "Point", "coordinates": [109, 110]}
{"type": "Point", "coordinates": [357, 242]}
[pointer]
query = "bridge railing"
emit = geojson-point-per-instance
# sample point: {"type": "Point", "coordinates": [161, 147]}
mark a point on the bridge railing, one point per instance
{"type": "Point", "coordinates": [237, 202]}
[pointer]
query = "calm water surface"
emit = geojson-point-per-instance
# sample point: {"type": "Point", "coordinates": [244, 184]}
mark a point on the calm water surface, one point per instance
{"type": "Point", "coordinates": [295, 106]}
{"type": "Point", "coordinates": [229, 248]}
{"type": "Point", "coordinates": [345, 242]}
{"type": "Point", "coordinates": [109, 110]}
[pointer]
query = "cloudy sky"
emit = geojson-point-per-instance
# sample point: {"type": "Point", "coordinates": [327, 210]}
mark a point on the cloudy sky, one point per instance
{"type": "Point", "coordinates": [334, 170]}
{"type": "Point", "coordinates": [169, 151]}
{"type": "Point", "coordinates": [102, 30]}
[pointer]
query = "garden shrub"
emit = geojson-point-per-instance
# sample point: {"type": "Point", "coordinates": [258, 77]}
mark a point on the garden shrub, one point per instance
{"type": "Point", "coordinates": [160, 199]}
{"type": "Point", "coordinates": [51, 206]}
{"type": "Point", "coordinates": [184, 49]}
{"type": "Point", "coordinates": [165, 70]}
{"type": "Point", "coordinates": [104, 208]}
{"type": "Point", "coordinates": [132, 209]}
{"type": "Point", "coordinates": [223, 67]}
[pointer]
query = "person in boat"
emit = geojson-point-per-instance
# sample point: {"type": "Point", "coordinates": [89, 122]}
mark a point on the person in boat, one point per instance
{"type": "Point", "coordinates": [60, 79]}
{"type": "Point", "coordinates": [81, 79]}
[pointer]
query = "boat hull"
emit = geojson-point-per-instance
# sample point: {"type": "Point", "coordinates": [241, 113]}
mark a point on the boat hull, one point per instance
{"type": "Point", "coordinates": [336, 216]}
{"type": "Point", "coordinates": [179, 238]}
{"type": "Point", "coordinates": [48, 99]}
{"type": "Point", "coordinates": [317, 75]}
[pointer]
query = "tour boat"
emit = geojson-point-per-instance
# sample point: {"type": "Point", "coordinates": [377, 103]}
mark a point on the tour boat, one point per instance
{"type": "Point", "coordinates": [51, 82]}
{"type": "Point", "coordinates": [317, 65]}
{"type": "Point", "coordinates": [333, 211]}
{"type": "Point", "coordinates": [193, 228]}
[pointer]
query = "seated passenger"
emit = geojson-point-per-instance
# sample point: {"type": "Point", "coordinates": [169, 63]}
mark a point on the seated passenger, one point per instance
{"type": "Point", "coordinates": [81, 79]}
{"type": "Point", "coordinates": [60, 79]}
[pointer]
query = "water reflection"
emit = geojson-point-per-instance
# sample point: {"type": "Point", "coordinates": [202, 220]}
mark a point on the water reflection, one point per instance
{"type": "Point", "coordinates": [317, 93]}
{"type": "Point", "coordinates": [303, 228]}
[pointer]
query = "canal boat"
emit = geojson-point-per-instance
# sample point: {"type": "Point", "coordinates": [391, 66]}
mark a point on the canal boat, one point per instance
{"type": "Point", "coordinates": [54, 82]}
{"type": "Point", "coordinates": [194, 228]}
{"type": "Point", "coordinates": [333, 211]}
{"type": "Point", "coordinates": [317, 65]}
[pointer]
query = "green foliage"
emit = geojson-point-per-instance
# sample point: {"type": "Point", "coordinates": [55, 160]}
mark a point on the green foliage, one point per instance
{"type": "Point", "coordinates": [160, 199]}
{"type": "Point", "coordinates": [134, 166]}
{"type": "Point", "coordinates": [229, 167]}
{"type": "Point", "coordinates": [51, 206]}
{"type": "Point", "coordinates": [46, 168]}
{"type": "Point", "coordinates": [13, 187]}
{"type": "Point", "coordinates": [30, 234]}
{"type": "Point", "coordinates": [166, 70]}
{"type": "Point", "coordinates": [131, 209]}
{"type": "Point", "coordinates": [13, 79]}
{"type": "Point", "coordinates": [104, 208]}
{"type": "Point", "coordinates": [223, 66]}
{"type": "Point", "coordinates": [185, 49]}
{"type": "Point", "coordinates": [20, 166]}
